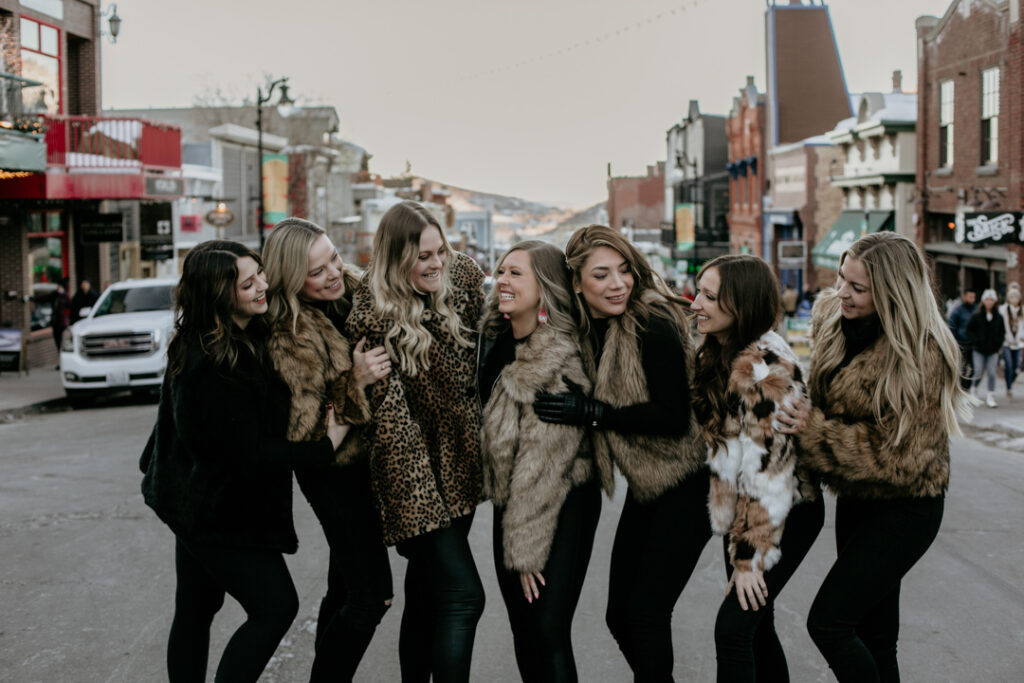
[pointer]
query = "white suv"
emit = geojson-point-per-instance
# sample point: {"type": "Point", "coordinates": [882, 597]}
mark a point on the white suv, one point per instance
{"type": "Point", "coordinates": [122, 343]}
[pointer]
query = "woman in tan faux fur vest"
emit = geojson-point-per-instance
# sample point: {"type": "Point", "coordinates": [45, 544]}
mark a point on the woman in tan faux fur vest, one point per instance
{"type": "Point", "coordinates": [422, 301]}
{"type": "Point", "coordinates": [638, 355]}
{"type": "Point", "coordinates": [310, 293]}
{"type": "Point", "coordinates": [541, 476]}
{"type": "Point", "coordinates": [885, 390]}
{"type": "Point", "coordinates": [747, 373]}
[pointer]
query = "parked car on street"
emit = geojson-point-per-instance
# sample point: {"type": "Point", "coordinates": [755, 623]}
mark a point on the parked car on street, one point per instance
{"type": "Point", "coordinates": [122, 342]}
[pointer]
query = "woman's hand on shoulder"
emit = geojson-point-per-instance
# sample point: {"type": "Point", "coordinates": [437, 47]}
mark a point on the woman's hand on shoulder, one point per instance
{"type": "Point", "coordinates": [335, 432]}
{"type": "Point", "coordinates": [370, 366]}
{"type": "Point", "coordinates": [791, 417]}
{"type": "Point", "coordinates": [750, 589]}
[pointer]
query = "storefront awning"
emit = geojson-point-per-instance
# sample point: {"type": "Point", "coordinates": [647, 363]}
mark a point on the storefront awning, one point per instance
{"type": "Point", "coordinates": [850, 226]}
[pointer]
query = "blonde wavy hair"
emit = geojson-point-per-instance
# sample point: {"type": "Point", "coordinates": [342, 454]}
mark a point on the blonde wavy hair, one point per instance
{"type": "Point", "coordinates": [286, 260]}
{"type": "Point", "coordinates": [909, 314]}
{"type": "Point", "coordinates": [554, 282]}
{"type": "Point", "coordinates": [396, 246]}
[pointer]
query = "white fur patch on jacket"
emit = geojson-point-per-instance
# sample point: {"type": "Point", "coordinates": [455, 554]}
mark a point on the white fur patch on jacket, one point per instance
{"type": "Point", "coordinates": [753, 475]}
{"type": "Point", "coordinates": [529, 466]}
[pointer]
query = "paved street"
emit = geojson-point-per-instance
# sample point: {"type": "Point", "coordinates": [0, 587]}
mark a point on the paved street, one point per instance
{"type": "Point", "coordinates": [88, 578]}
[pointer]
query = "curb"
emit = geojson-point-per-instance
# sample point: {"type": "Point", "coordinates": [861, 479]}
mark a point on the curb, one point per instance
{"type": "Point", "coordinates": [53, 405]}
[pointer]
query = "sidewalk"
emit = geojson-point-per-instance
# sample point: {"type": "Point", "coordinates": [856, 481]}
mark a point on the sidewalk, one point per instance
{"type": "Point", "coordinates": [18, 390]}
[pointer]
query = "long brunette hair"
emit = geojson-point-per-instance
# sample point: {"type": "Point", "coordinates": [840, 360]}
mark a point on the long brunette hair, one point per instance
{"type": "Point", "coordinates": [204, 302]}
{"type": "Point", "coordinates": [749, 292]}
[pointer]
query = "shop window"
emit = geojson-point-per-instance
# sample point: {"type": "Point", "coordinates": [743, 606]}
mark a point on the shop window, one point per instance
{"type": "Point", "coordinates": [40, 61]}
{"type": "Point", "coordinates": [946, 124]}
{"type": "Point", "coordinates": [990, 116]}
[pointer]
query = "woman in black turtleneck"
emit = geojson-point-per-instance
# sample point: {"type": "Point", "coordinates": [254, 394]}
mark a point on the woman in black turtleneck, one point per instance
{"type": "Point", "coordinates": [884, 384]}
{"type": "Point", "coordinates": [637, 353]}
{"type": "Point", "coordinates": [540, 476]}
{"type": "Point", "coordinates": [310, 293]}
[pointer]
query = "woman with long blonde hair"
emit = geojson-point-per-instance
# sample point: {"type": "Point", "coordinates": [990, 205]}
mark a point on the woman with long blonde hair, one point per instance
{"type": "Point", "coordinates": [422, 302]}
{"type": "Point", "coordinates": [886, 394]}
{"type": "Point", "coordinates": [310, 298]}
{"type": "Point", "coordinates": [638, 355]}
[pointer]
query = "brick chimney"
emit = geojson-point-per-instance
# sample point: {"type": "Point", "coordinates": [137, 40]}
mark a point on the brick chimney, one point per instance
{"type": "Point", "coordinates": [897, 81]}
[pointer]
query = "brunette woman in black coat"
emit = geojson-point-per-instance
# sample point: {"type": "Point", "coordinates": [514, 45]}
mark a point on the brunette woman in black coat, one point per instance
{"type": "Point", "coordinates": [218, 469]}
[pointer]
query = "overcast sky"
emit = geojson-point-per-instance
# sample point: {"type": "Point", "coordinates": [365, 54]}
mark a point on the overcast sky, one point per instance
{"type": "Point", "coordinates": [530, 98]}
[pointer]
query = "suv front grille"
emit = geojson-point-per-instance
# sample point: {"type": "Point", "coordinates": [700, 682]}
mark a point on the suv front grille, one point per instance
{"type": "Point", "coordinates": [117, 344]}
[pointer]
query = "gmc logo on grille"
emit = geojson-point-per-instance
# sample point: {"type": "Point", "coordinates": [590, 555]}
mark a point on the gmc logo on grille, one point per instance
{"type": "Point", "coordinates": [116, 343]}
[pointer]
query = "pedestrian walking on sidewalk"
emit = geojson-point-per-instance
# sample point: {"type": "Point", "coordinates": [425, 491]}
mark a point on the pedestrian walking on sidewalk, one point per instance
{"type": "Point", "coordinates": [1013, 342]}
{"type": "Point", "coordinates": [218, 468]}
{"type": "Point", "coordinates": [423, 301]}
{"type": "Point", "coordinates": [638, 354]}
{"type": "Point", "coordinates": [986, 333]}
{"type": "Point", "coordinates": [958, 320]}
{"type": "Point", "coordinates": [310, 299]}
{"type": "Point", "coordinates": [767, 516]}
{"type": "Point", "coordinates": [540, 476]}
{"type": "Point", "coordinates": [886, 397]}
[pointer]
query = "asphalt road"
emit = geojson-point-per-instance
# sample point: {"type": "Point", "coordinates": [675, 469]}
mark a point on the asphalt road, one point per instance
{"type": "Point", "coordinates": [87, 585]}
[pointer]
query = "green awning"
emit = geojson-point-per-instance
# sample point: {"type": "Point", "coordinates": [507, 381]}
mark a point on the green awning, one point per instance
{"type": "Point", "coordinates": [850, 226]}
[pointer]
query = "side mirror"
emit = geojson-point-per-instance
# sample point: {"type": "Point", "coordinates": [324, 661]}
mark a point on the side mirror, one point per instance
{"type": "Point", "coordinates": [84, 311]}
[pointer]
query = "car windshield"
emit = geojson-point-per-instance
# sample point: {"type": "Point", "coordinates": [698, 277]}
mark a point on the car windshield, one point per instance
{"type": "Point", "coordinates": [135, 300]}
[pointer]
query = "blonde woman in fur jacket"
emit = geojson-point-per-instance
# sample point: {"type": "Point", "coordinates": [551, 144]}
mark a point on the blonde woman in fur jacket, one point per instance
{"type": "Point", "coordinates": [884, 384]}
{"type": "Point", "coordinates": [423, 301]}
{"type": "Point", "coordinates": [637, 353]}
{"type": "Point", "coordinates": [310, 298]}
{"type": "Point", "coordinates": [767, 517]}
{"type": "Point", "coordinates": [546, 493]}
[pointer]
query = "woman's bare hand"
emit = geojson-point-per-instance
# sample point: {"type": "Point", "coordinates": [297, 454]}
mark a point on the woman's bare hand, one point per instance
{"type": "Point", "coordinates": [529, 581]}
{"type": "Point", "coordinates": [370, 366]}
{"type": "Point", "coordinates": [335, 432]}
{"type": "Point", "coordinates": [791, 416]}
{"type": "Point", "coordinates": [750, 588]}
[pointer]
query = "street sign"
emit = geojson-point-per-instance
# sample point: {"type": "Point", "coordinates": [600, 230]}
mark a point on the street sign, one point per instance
{"type": "Point", "coordinates": [220, 218]}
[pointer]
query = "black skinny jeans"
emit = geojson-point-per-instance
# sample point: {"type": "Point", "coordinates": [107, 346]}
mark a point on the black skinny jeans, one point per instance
{"type": "Point", "coordinates": [746, 644]}
{"type": "Point", "coordinates": [657, 545]}
{"type": "Point", "coordinates": [855, 618]}
{"type": "Point", "coordinates": [444, 599]}
{"type": "Point", "coordinates": [359, 574]}
{"type": "Point", "coordinates": [258, 580]}
{"type": "Point", "coordinates": [542, 630]}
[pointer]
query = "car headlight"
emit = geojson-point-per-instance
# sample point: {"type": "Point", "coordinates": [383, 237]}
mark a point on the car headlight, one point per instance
{"type": "Point", "coordinates": [67, 341]}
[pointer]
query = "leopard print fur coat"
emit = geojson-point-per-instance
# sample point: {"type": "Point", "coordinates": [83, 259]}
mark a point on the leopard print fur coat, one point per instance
{"type": "Point", "coordinates": [424, 433]}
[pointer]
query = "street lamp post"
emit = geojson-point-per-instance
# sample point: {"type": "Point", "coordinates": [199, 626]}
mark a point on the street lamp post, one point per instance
{"type": "Point", "coordinates": [285, 105]}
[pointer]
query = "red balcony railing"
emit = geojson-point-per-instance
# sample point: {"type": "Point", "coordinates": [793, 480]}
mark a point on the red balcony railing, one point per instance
{"type": "Point", "coordinates": [110, 142]}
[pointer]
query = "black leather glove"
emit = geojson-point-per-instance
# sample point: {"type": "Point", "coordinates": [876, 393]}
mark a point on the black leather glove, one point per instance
{"type": "Point", "coordinates": [570, 408]}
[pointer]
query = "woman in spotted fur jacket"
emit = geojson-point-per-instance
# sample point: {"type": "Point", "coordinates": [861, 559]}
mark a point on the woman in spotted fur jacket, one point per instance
{"type": "Point", "coordinates": [767, 516]}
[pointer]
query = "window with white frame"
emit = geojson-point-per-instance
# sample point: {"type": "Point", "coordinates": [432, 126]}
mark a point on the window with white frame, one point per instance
{"type": "Point", "coordinates": [40, 61]}
{"type": "Point", "coordinates": [990, 116]}
{"type": "Point", "coordinates": [945, 124]}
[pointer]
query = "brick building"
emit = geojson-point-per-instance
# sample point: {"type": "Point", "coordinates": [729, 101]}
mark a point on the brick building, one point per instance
{"type": "Point", "coordinates": [970, 159]}
{"type": "Point", "coordinates": [637, 202]}
{"type": "Point", "coordinates": [63, 167]}
{"type": "Point", "coordinates": [745, 134]}
{"type": "Point", "coordinates": [806, 97]}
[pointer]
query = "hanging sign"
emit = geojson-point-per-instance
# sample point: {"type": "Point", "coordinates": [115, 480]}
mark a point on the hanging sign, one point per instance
{"type": "Point", "coordinates": [1004, 227]}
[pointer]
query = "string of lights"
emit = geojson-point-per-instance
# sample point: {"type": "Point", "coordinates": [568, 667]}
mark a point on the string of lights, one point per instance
{"type": "Point", "coordinates": [611, 35]}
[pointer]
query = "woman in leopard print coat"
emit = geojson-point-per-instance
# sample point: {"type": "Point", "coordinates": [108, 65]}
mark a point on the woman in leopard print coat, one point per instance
{"type": "Point", "coordinates": [422, 301]}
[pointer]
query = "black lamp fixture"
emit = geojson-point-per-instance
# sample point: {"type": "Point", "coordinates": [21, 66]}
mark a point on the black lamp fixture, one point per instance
{"type": "Point", "coordinates": [285, 108]}
{"type": "Point", "coordinates": [113, 23]}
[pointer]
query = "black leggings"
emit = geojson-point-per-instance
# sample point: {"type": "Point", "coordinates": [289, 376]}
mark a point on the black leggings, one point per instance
{"type": "Point", "coordinates": [258, 579]}
{"type": "Point", "coordinates": [855, 618]}
{"type": "Point", "coordinates": [359, 574]}
{"type": "Point", "coordinates": [746, 643]}
{"type": "Point", "coordinates": [657, 546]}
{"type": "Point", "coordinates": [444, 599]}
{"type": "Point", "coordinates": [542, 631]}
